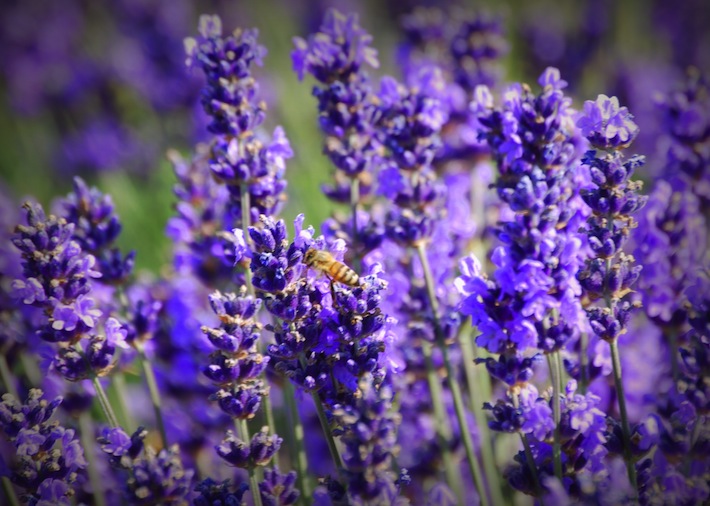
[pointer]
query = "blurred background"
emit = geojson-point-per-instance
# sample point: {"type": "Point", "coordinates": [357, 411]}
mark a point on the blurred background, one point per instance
{"type": "Point", "coordinates": [98, 88]}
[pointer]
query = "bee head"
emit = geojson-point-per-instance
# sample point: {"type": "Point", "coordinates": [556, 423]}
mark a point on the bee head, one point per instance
{"type": "Point", "coordinates": [310, 255]}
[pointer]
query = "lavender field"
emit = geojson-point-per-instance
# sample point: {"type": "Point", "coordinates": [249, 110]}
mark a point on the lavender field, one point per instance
{"type": "Point", "coordinates": [340, 253]}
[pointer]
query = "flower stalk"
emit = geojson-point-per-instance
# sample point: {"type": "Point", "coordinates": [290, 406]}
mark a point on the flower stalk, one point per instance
{"type": "Point", "coordinates": [474, 466]}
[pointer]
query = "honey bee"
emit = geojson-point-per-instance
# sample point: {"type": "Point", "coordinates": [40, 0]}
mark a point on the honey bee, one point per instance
{"type": "Point", "coordinates": [323, 261]}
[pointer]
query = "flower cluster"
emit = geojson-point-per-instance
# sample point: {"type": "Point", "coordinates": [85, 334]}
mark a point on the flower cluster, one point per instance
{"type": "Point", "coordinates": [416, 351]}
{"type": "Point", "coordinates": [96, 228]}
{"type": "Point", "coordinates": [48, 460]}
{"type": "Point", "coordinates": [252, 170]}
{"type": "Point", "coordinates": [152, 478]}
{"type": "Point", "coordinates": [686, 118]}
{"type": "Point", "coordinates": [57, 278]}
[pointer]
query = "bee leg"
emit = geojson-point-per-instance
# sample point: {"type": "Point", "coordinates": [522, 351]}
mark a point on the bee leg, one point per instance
{"type": "Point", "coordinates": [332, 293]}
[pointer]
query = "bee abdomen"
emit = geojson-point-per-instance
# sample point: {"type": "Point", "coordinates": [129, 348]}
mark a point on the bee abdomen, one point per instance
{"type": "Point", "coordinates": [345, 274]}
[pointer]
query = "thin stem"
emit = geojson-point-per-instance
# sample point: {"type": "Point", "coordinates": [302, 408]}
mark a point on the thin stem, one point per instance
{"type": "Point", "coordinates": [619, 386]}
{"type": "Point", "coordinates": [556, 414]}
{"type": "Point", "coordinates": [9, 492]}
{"type": "Point", "coordinates": [119, 386]}
{"type": "Point", "coordinates": [354, 201]}
{"type": "Point", "coordinates": [531, 465]}
{"type": "Point", "coordinates": [443, 428]}
{"type": "Point", "coordinates": [154, 395]}
{"type": "Point", "coordinates": [473, 380]}
{"type": "Point", "coordinates": [335, 455]}
{"type": "Point", "coordinates": [86, 431]}
{"type": "Point", "coordinates": [296, 428]}
{"type": "Point", "coordinates": [583, 363]}
{"type": "Point", "coordinates": [105, 404]}
{"type": "Point", "coordinates": [246, 221]}
{"type": "Point", "coordinates": [253, 483]}
{"type": "Point", "coordinates": [7, 377]}
{"type": "Point", "coordinates": [474, 466]}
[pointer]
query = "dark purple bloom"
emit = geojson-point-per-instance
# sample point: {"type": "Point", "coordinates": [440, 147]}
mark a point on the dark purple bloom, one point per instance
{"type": "Point", "coordinates": [96, 229]}
{"type": "Point", "coordinates": [670, 244]}
{"type": "Point", "coordinates": [258, 452]}
{"type": "Point", "coordinates": [212, 493]}
{"type": "Point", "coordinates": [341, 48]}
{"type": "Point", "coordinates": [47, 457]}
{"type": "Point", "coordinates": [606, 125]}
{"type": "Point", "coordinates": [686, 120]}
{"type": "Point", "coordinates": [278, 489]}
{"type": "Point", "coordinates": [149, 477]}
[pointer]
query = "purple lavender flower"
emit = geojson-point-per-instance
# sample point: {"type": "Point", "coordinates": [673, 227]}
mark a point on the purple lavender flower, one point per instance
{"type": "Point", "coordinates": [56, 278]}
{"type": "Point", "coordinates": [340, 49]}
{"type": "Point", "coordinates": [48, 457]}
{"type": "Point", "coordinates": [670, 243]}
{"type": "Point", "coordinates": [278, 489]}
{"type": "Point", "coordinates": [258, 452]}
{"type": "Point", "coordinates": [519, 308]}
{"type": "Point", "coordinates": [606, 125]}
{"type": "Point", "coordinates": [236, 366]}
{"type": "Point", "coordinates": [96, 229]}
{"type": "Point", "coordinates": [212, 493]}
{"type": "Point", "coordinates": [369, 433]}
{"type": "Point", "coordinates": [238, 158]}
{"type": "Point", "coordinates": [686, 119]}
{"type": "Point", "coordinates": [151, 478]}
{"type": "Point", "coordinates": [612, 198]}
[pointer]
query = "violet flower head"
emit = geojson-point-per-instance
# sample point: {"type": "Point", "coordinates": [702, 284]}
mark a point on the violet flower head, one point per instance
{"type": "Point", "coordinates": [204, 247]}
{"type": "Point", "coordinates": [369, 433]}
{"type": "Point", "coordinates": [278, 489]}
{"type": "Point", "coordinates": [96, 229]}
{"type": "Point", "coordinates": [212, 493]}
{"type": "Point", "coordinates": [533, 140]}
{"type": "Point", "coordinates": [257, 452]}
{"type": "Point", "coordinates": [686, 118]}
{"type": "Point", "coordinates": [236, 366]}
{"type": "Point", "coordinates": [476, 49]}
{"type": "Point", "coordinates": [606, 125]}
{"type": "Point", "coordinates": [227, 61]}
{"type": "Point", "coordinates": [150, 477]}
{"type": "Point", "coordinates": [48, 458]}
{"type": "Point", "coordinates": [341, 48]}
{"type": "Point", "coordinates": [670, 243]}
{"type": "Point", "coordinates": [238, 158]}
{"type": "Point", "coordinates": [613, 199]}
{"type": "Point", "coordinates": [337, 56]}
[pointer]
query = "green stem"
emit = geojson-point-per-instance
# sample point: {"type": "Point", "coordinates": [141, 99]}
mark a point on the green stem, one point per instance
{"type": "Point", "coordinates": [354, 201]}
{"type": "Point", "coordinates": [86, 428]}
{"type": "Point", "coordinates": [583, 363]}
{"type": "Point", "coordinates": [246, 221]}
{"type": "Point", "coordinates": [10, 492]}
{"type": "Point", "coordinates": [7, 378]}
{"type": "Point", "coordinates": [253, 483]}
{"type": "Point", "coordinates": [296, 428]}
{"type": "Point", "coordinates": [443, 428]}
{"type": "Point", "coordinates": [327, 432]}
{"type": "Point", "coordinates": [105, 404]}
{"type": "Point", "coordinates": [154, 395]}
{"type": "Point", "coordinates": [453, 384]}
{"type": "Point", "coordinates": [473, 381]}
{"type": "Point", "coordinates": [119, 385]}
{"type": "Point", "coordinates": [31, 369]}
{"type": "Point", "coordinates": [619, 386]}
{"type": "Point", "coordinates": [531, 465]}
{"type": "Point", "coordinates": [556, 414]}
